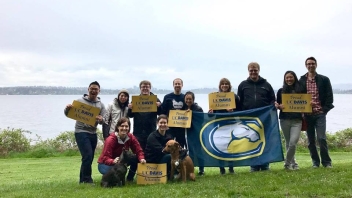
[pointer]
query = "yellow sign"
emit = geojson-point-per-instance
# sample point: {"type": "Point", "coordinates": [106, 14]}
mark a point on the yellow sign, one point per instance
{"type": "Point", "coordinates": [151, 173]}
{"type": "Point", "coordinates": [180, 118]}
{"type": "Point", "coordinates": [144, 103]}
{"type": "Point", "coordinates": [297, 103]}
{"type": "Point", "coordinates": [83, 113]}
{"type": "Point", "coordinates": [222, 100]}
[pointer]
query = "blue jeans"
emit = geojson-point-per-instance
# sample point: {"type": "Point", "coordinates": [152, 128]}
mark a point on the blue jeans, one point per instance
{"type": "Point", "coordinates": [86, 143]}
{"type": "Point", "coordinates": [317, 124]}
{"type": "Point", "coordinates": [103, 168]}
{"type": "Point", "coordinates": [291, 128]}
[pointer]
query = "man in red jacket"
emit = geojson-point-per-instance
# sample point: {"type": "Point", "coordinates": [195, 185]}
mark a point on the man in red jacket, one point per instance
{"type": "Point", "coordinates": [114, 145]}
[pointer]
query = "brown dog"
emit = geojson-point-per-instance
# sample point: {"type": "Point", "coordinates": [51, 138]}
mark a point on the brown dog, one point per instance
{"type": "Point", "coordinates": [180, 161]}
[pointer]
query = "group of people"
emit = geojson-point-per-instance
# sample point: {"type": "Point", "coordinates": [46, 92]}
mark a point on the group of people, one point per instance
{"type": "Point", "coordinates": [151, 131]}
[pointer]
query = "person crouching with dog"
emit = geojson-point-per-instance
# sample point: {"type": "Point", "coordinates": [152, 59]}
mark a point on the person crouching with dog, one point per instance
{"type": "Point", "coordinates": [156, 142]}
{"type": "Point", "coordinates": [114, 145]}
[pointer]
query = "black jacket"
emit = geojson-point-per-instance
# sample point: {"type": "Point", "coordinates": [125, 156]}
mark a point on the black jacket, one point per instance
{"type": "Point", "coordinates": [155, 144]}
{"type": "Point", "coordinates": [255, 94]}
{"type": "Point", "coordinates": [194, 107]}
{"type": "Point", "coordinates": [144, 122]}
{"type": "Point", "coordinates": [286, 115]}
{"type": "Point", "coordinates": [326, 95]}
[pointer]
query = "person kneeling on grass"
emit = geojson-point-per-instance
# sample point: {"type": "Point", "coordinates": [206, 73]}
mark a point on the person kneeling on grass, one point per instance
{"type": "Point", "coordinates": [156, 142]}
{"type": "Point", "coordinates": [114, 145]}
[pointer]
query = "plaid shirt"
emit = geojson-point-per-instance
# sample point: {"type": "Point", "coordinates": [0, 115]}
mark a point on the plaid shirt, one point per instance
{"type": "Point", "coordinates": [313, 89]}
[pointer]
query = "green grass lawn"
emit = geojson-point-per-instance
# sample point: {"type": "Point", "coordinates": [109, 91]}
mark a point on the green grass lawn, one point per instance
{"type": "Point", "coordinates": [58, 177]}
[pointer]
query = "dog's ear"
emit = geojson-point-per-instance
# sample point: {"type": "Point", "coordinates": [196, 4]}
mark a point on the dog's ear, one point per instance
{"type": "Point", "coordinates": [177, 144]}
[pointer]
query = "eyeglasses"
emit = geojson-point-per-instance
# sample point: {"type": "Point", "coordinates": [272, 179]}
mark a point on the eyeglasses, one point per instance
{"type": "Point", "coordinates": [145, 87]}
{"type": "Point", "coordinates": [253, 71]}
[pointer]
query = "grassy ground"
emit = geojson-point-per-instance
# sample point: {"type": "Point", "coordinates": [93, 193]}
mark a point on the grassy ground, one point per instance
{"type": "Point", "coordinates": [58, 177]}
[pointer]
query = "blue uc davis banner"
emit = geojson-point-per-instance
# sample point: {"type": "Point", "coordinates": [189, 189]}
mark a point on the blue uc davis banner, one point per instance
{"type": "Point", "coordinates": [242, 138]}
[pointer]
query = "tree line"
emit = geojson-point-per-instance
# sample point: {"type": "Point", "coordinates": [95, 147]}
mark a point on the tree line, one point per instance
{"type": "Point", "coordinates": [52, 90]}
{"type": "Point", "coordinates": [59, 90]}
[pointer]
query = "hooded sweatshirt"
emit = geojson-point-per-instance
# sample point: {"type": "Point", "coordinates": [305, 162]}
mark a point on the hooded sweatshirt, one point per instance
{"type": "Point", "coordinates": [82, 127]}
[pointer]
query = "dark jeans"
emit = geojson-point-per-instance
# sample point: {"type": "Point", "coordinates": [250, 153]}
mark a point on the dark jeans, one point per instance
{"type": "Point", "coordinates": [103, 168]}
{"type": "Point", "coordinates": [86, 143]}
{"type": "Point", "coordinates": [179, 134]}
{"type": "Point", "coordinates": [166, 159]}
{"type": "Point", "coordinates": [317, 124]}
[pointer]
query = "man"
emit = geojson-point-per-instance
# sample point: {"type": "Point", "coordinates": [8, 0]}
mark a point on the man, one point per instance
{"type": "Point", "coordinates": [86, 136]}
{"type": "Point", "coordinates": [144, 122]}
{"type": "Point", "coordinates": [255, 92]}
{"type": "Point", "coordinates": [175, 101]}
{"type": "Point", "coordinates": [322, 98]}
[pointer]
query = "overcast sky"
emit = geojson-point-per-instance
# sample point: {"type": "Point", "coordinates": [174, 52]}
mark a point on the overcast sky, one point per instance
{"type": "Point", "coordinates": [121, 42]}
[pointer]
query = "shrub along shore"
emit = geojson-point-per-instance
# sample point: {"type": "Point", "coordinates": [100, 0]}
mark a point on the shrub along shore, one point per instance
{"type": "Point", "coordinates": [15, 144]}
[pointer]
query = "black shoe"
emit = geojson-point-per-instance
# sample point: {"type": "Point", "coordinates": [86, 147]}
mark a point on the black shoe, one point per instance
{"type": "Point", "coordinates": [222, 170]}
{"type": "Point", "coordinates": [231, 171]}
{"type": "Point", "coordinates": [201, 173]}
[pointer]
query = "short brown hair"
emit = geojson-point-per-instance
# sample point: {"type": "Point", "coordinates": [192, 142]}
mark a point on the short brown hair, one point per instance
{"type": "Point", "coordinates": [145, 82]}
{"type": "Point", "coordinates": [122, 120]}
{"type": "Point", "coordinates": [161, 116]}
{"type": "Point", "coordinates": [254, 64]}
{"type": "Point", "coordinates": [173, 82]}
{"type": "Point", "coordinates": [225, 80]}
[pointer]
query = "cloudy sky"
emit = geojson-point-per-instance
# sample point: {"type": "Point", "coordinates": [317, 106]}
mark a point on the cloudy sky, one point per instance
{"type": "Point", "coordinates": [121, 42]}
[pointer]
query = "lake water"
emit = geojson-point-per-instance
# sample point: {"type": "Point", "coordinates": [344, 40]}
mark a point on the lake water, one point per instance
{"type": "Point", "coordinates": [44, 114]}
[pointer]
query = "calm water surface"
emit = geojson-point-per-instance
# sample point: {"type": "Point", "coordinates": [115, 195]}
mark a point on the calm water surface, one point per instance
{"type": "Point", "coordinates": [44, 114]}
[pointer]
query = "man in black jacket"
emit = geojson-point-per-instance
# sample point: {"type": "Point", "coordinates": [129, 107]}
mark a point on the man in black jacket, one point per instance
{"type": "Point", "coordinates": [255, 92]}
{"type": "Point", "coordinates": [322, 98]}
{"type": "Point", "coordinates": [144, 122]}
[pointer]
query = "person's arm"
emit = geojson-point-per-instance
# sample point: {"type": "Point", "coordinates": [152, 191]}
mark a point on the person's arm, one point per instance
{"type": "Point", "coordinates": [271, 94]}
{"type": "Point", "coordinates": [108, 149]}
{"type": "Point", "coordinates": [108, 113]}
{"type": "Point", "coordinates": [240, 94]}
{"type": "Point", "coordinates": [130, 113]}
{"type": "Point", "coordinates": [238, 104]}
{"type": "Point", "coordinates": [159, 108]}
{"type": "Point", "coordinates": [164, 109]}
{"type": "Point", "coordinates": [279, 96]}
{"type": "Point", "coordinates": [136, 148]}
{"type": "Point", "coordinates": [67, 109]}
{"type": "Point", "coordinates": [102, 113]}
{"type": "Point", "coordinates": [329, 96]}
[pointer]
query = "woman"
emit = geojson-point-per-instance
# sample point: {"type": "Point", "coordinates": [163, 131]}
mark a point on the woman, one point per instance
{"type": "Point", "coordinates": [156, 142]}
{"type": "Point", "coordinates": [190, 105]}
{"type": "Point", "coordinates": [291, 123]}
{"type": "Point", "coordinates": [114, 145]}
{"type": "Point", "coordinates": [225, 86]}
{"type": "Point", "coordinates": [116, 110]}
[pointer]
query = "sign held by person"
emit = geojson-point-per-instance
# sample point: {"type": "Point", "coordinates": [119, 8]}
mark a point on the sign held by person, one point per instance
{"type": "Point", "coordinates": [144, 103]}
{"type": "Point", "coordinates": [297, 103]}
{"type": "Point", "coordinates": [83, 113]}
{"type": "Point", "coordinates": [180, 118]}
{"type": "Point", "coordinates": [222, 100]}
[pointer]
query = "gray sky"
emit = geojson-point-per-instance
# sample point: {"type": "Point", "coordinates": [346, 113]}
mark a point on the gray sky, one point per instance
{"type": "Point", "coordinates": [120, 43]}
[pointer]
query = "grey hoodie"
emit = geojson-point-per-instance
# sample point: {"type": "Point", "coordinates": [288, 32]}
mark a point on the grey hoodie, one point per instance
{"type": "Point", "coordinates": [80, 126]}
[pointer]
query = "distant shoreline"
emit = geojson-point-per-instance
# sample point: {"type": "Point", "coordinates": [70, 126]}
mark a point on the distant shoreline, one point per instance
{"type": "Point", "coordinates": [51, 90]}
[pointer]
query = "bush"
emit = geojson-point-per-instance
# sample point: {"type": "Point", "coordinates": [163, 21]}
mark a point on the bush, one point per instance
{"type": "Point", "coordinates": [13, 140]}
{"type": "Point", "coordinates": [14, 143]}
